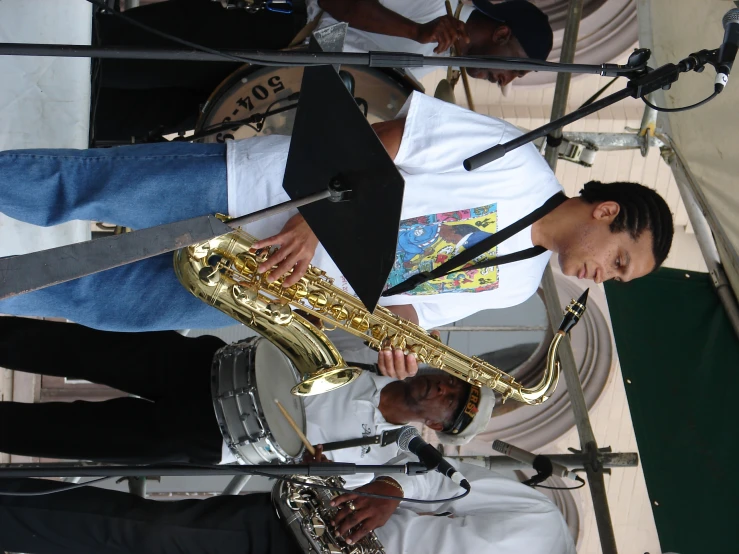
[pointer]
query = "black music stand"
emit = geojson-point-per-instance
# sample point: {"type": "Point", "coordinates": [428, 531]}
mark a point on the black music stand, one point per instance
{"type": "Point", "coordinates": [333, 144]}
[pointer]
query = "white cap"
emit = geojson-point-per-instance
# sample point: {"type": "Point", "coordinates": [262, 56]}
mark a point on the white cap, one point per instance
{"type": "Point", "coordinates": [473, 418]}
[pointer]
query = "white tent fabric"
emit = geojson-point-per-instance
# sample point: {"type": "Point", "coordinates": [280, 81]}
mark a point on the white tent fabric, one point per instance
{"type": "Point", "coordinates": [707, 137]}
{"type": "Point", "coordinates": [44, 102]}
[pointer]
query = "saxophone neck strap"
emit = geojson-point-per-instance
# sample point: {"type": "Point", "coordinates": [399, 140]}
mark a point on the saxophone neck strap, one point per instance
{"type": "Point", "coordinates": [461, 259]}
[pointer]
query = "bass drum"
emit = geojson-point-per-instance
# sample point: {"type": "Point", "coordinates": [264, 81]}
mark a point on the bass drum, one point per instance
{"type": "Point", "coordinates": [260, 90]}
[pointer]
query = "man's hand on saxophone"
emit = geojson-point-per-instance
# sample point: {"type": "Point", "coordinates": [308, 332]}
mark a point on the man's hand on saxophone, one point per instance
{"type": "Point", "coordinates": [297, 246]}
{"type": "Point", "coordinates": [359, 515]}
{"type": "Point", "coordinates": [393, 362]}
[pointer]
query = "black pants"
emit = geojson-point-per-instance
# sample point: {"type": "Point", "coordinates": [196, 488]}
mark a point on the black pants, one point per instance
{"type": "Point", "coordinates": [138, 97]}
{"type": "Point", "coordinates": [97, 521]}
{"type": "Point", "coordinates": [173, 421]}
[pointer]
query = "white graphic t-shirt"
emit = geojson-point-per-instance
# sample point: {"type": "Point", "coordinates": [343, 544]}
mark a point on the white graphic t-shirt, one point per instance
{"type": "Point", "coordinates": [445, 208]}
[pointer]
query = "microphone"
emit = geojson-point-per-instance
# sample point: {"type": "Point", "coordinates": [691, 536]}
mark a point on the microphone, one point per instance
{"type": "Point", "coordinates": [410, 441]}
{"type": "Point", "coordinates": [727, 52]}
{"type": "Point", "coordinates": [535, 461]}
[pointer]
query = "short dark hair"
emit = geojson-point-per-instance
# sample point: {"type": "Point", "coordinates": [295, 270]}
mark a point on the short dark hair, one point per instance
{"type": "Point", "coordinates": [641, 209]}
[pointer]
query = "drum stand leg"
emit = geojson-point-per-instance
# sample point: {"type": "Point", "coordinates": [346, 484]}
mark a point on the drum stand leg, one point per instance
{"type": "Point", "coordinates": [236, 485]}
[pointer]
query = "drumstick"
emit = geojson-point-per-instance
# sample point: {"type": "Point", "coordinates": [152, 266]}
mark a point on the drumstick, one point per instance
{"type": "Point", "coordinates": [291, 421]}
{"type": "Point", "coordinates": [463, 70]}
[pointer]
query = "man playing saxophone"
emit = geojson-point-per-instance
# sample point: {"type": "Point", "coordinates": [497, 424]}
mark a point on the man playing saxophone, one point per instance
{"type": "Point", "coordinates": [612, 231]}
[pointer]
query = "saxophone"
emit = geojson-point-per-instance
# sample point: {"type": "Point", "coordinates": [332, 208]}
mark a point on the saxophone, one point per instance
{"type": "Point", "coordinates": [223, 273]}
{"type": "Point", "coordinates": [306, 511]}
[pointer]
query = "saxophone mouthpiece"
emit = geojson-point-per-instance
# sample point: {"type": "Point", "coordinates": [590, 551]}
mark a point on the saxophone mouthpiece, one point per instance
{"type": "Point", "coordinates": [574, 312]}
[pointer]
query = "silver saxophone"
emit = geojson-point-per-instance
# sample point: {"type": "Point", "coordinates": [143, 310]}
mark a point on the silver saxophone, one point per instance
{"type": "Point", "coordinates": [307, 511]}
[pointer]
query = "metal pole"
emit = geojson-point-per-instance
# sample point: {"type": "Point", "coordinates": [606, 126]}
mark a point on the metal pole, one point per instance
{"type": "Point", "coordinates": [593, 465]}
{"type": "Point", "coordinates": [589, 446]}
{"type": "Point", "coordinates": [292, 58]}
{"type": "Point", "coordinates": [235, 485]}
{"type": "Point", "coordinates": [570, 461]}
{"type": "Point", "coordinates": [92, 470]}
{"type": "Point", "coordinates": [703, 234]}
{"type": "Point", "coordinates": [609, 141]}
{"type": "Point", "coordinates": [495, 328]}
{"type": "Point", "coordinates": [562, 89]}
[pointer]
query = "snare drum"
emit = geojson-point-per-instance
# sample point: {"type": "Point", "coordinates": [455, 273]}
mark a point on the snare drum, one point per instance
{"type": "Point", "coordinates": [246, 378]}
{"type": "Point", "coordinates": [259, 90]}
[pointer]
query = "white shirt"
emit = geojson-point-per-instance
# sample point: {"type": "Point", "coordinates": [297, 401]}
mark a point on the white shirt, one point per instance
{"type": "Point", "coordinates": [350, 412]}
{"type": "Point", "coordinates": [420, 11]}
{"type": "Point", "coordinates": [499, 516]}
{"type": "Point", "coordinates": [439, 193]}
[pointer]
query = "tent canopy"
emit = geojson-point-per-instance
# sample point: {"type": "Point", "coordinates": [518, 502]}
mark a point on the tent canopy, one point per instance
{"type": "Point", "coordinates": [707, 137]}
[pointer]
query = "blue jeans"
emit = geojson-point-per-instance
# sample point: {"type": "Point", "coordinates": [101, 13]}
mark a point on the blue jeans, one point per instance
{"type": "Point", "coordinates": [135, 186]}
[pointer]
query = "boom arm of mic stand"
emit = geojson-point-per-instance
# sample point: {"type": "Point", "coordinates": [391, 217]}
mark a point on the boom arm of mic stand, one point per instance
{"type": "Point", "coordinates": [636, 88]}
{"type": "Point", "coordinates": [91, 470]}
{"type": "Point", "coordinates": [292, 58]}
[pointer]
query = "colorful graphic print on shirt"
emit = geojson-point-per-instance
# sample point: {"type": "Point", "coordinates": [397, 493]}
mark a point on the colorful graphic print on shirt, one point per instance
{"type": "Point", "coordinates": [428, 241]}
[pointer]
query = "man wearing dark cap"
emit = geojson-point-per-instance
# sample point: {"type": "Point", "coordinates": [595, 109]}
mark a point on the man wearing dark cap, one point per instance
{"type": "Point", "coordinates": [515, 28]}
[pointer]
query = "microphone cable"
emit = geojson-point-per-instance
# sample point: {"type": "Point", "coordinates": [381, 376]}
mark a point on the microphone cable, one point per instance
{"type": "Point", "coordinates": [61, 488]}
{"type": "Point", "coordinates": [681, 109]}
{"type": "Point", "coordinates": [581, 485]}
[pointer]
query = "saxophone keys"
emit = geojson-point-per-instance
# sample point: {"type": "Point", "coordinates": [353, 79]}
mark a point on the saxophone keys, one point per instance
{"type": "Point", "coordinates": [199, 251]}
{"type": "Point", "coordinates": [298, 291]}
{"type": "Point", "coordinates": [317, 300]}
{"type": "Point", "coordinates": [360, 323]}
{"type": "Point", "coordinates": [209, 276]}
{"type": "Point", "coordinates": [506, 394]}
{"type": "Point", "coordinates": [419, 351]}
{"type": "Point", "coordinates": [319, 528]}
{"type": "Point", "coordinates": [279, 313]}
{"type": "Point", "coordinates": [245, 295]}
{"type": "Point", "coordinates": [339, 312]}
{"type": "Point", "coordinates": [378, 332]}
{"type": "Point", "coordinates": [246, 264]}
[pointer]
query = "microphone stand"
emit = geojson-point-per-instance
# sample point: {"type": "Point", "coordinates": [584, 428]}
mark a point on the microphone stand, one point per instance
{"type": "Point", "coordinates": [642, 81]}
{"type": "Point", "coordinates": [292, 58]}
{"type": "Point", "coordinates": [322, 469]}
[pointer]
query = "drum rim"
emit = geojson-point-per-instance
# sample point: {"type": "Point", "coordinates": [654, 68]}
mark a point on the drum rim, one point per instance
{"type": "Point", "coordinates": [397, 76]}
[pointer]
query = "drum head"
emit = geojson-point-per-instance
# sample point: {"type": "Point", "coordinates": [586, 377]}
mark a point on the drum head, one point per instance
{"type": "Point", "coordinates": [259, 90]}
{"type": "Point", "coordinates": [276, 375]}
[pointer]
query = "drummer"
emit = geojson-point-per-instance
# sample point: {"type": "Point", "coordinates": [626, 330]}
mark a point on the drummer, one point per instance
{"type": "Point", "coordinates": [171, 417]}
{"type": "Point", "coordinates": [515, 28]}
{"type": "Point", "coordinates": [145, 98]}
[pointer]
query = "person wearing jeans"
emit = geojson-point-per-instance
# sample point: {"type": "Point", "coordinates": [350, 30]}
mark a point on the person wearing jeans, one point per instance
{"type": "Point", "coordinates": [613, 230]}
